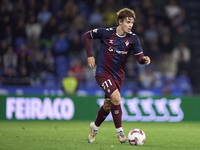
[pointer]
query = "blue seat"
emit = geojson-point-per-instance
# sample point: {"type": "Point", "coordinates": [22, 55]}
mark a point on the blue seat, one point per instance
{"type": "Point", "coordinates": [50, 80]}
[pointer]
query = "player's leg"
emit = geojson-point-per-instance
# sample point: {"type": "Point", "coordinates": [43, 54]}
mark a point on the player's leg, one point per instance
{"type": "Point", "coordinates": [101, 116]}
{"type": "Point", "coordinates": [103, 112]}
{"type": "Point", "coordinates": [117, 115]}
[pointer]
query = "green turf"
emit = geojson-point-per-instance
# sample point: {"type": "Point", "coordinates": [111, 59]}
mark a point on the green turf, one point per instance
{"type": "Point", "coordinates": [72, 135]}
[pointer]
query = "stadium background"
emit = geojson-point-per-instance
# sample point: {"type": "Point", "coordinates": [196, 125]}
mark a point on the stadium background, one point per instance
{"type": "Point", "coordinates": [41, 41]}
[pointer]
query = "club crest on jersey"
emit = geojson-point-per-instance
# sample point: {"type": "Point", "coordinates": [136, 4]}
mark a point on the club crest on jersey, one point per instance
{"type": "Point", "coordinates": [127, 43]}
{"type": "Point", "coordinates": [95, 30]}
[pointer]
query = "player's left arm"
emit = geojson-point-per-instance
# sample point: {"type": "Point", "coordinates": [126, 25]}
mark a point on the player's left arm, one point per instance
{"type": "Point", "coordinates": [143, 59]}
{"type": "Point", "coordinates": [138, 51]}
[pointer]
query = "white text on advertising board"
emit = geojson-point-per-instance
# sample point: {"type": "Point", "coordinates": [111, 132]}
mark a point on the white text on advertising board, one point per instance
{"type": "Point", "coordinates": [34, 108]}
{"type": "Point", "coordinates": [158, 110]}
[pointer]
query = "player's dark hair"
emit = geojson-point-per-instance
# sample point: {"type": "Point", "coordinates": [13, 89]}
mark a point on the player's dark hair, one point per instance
{"type": "Point", "coordinates": [124, 13]}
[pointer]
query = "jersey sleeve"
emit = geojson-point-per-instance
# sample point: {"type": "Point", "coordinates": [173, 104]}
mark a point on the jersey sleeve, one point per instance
{"type": "Point", "coordinates": [97, 33]}
{"type": "Point", "coordinates": [137, 48]}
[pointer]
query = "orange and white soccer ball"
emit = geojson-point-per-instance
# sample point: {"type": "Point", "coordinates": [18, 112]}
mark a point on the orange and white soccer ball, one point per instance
{"type": "Point", "coordinates": [136, 137]}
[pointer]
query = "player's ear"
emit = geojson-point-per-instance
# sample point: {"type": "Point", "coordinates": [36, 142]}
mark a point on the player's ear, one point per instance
{"type": "Point", "coordinates": [120, 21]}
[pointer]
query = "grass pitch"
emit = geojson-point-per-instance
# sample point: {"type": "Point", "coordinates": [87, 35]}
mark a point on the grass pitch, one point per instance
{"type": "Point", "coordinates": [72, 135]}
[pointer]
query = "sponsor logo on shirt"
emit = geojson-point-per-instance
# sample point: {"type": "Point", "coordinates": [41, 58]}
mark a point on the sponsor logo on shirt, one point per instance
{"type": "Point", "coordinates": [119, 52]}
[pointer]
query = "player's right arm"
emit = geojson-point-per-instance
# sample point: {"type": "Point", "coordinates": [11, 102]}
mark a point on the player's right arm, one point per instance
{"type": "Point", "coordinates": [87, 38]}
{"type": "Point", "coordinates": [93, 34]}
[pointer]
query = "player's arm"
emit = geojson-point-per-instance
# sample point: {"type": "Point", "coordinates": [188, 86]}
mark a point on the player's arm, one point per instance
{"type": "Point", "coordinates": [87, 38]}
{"type": "Point", "coordinates": [143, 59]}
{"type": "Point", "coordinates": [139, 52]}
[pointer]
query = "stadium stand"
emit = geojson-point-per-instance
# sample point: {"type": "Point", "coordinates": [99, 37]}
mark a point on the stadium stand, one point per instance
{"type": "Point", "coordinates": [58, 27]}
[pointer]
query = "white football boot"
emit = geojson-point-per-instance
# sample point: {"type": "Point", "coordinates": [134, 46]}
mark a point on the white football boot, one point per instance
{"type": "Point", "coordinates": [93, 133]}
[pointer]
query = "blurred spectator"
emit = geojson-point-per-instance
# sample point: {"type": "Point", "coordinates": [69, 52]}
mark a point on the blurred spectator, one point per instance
{"type": "Point", "coordinates": [37, 66]}
{"type": "Point", "coordinates": [19, 31]}
{"type": "Point", "coordinates": [146, 78]}
{"type": "Point", "coordinates": [70, 10]}
{"type": "Point", "coordinates": [24, 78]}
{"type": "Point", "coordinates": [75, 46]}
{"type": "Point", "coordinates": [96, 19]}
{"type": "Point", "coordinates": [32, 26]}
{"type": "Point", "coordinates": [33, 5]}
{"type": "Point", "coordinates": [9, 77]}
{"type": "Point", "coordinates": [24, 58]}
{"type": "Point", "coordinates": [61, 44]}
{"type": "Point", "coordinates": [80, 22]}
{"type": "Point", "coordinates": [184, 83]}
{"type": "Point", "coordinates": [131, 68]}
{"type": "Point", "coordinates": [8, 34]}
{"type": "Point", "coordinates": [166, 91]}
{"type": "Point", "coordinates": [155, 54]}
{"type": "Point", "coordinates": [70, 83]}
{"type": "Point", "coordinates": [23, 48]}
{"type": "Point", "coordinates": [151, 34]}
{"type": "Point", "coordinates": [165, 41]}
{"type": "Point", "coordinates": [10, 60]}
{"type": "Point", "coordinates": [168, 66]}
{"type": "Point", "coordinates": [49, 29]}
{"type": "Point", "coordinates": [139, 30]}
{"type": "Point", "coordinates": [77, 69]}
{"type": "Point", "coordinates": [8, 5]}
{"type": "Point", "coordinates": [172, 9]}
{"type": "Point", "coordinates": [146, 5]}
{"type": "Point", "coordinates": [19, 6]}
{"type": "Point", "coordinates": [140, 18]}
{"type": "Point", "coordinates": [33, 43]}
{"type": "Point", "coordinates": [180, 36]}
{"type": "Point", "coordinates": [181, 55]}
{"type": "Point", "coordinates": [3, 48]}
{"type": "Point", "coordinates": [109, 16]}
{"type": "Point", "coordinates": [49, 62]}
{"type": "Point", "coordinates": [4, 22]}
{"type": "Point", "coordinates": [44, 15]}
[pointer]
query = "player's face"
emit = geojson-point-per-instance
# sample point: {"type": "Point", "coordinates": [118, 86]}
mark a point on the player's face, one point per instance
{"type": "Point", "coordinates": [127, 24]}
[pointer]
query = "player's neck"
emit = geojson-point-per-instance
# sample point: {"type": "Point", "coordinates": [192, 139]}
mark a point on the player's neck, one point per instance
{"type": "Point", "coordinates": [120, 31]}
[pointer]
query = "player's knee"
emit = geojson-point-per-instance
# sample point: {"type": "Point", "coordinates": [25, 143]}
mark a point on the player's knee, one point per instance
{"type": "Point", "coordinates": [116, 101]}
{"type": "Point", "coordinates": [116, 98]}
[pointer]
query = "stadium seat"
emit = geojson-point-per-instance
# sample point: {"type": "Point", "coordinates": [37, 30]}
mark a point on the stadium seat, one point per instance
{"type": "Point", "coordinates": [62, 66]}
{"type": "Point", "coordinates": [50, 80]}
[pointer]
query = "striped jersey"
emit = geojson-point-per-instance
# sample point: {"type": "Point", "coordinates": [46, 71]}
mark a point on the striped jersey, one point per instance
{"type": "Point", "coordinates": [115, 50]}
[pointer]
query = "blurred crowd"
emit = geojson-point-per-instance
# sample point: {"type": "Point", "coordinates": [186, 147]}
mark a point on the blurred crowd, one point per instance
{"type": "Point", "coordinates": [42, 40]}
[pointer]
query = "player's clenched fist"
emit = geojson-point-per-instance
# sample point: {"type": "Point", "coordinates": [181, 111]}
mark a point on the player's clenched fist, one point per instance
{"type": "Point", "coordinates": [91, 62]}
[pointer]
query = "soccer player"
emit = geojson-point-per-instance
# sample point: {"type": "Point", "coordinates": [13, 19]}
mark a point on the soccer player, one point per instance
{"type": "Point", "coordinates": [116, 45]}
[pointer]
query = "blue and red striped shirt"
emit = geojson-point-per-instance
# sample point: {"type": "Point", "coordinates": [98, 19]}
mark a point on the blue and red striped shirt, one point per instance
{"type": "Point", "coordinates": [115, 49]}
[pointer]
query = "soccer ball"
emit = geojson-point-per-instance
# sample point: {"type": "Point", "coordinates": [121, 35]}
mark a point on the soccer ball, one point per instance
{"type": "Point", "coordinates": [136, 137]}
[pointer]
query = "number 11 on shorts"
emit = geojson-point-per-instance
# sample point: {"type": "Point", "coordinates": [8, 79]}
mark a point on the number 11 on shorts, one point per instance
{"type": "Point", "coordinates": [106, 84]}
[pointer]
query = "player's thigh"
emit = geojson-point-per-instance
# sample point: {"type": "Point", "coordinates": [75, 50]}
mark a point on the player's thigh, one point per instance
{"type": "Point", "coordinates": [116, 97]}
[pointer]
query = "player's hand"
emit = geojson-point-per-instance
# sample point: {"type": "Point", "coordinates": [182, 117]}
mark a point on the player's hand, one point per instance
{"type": "Point", "coordinates": [147, 60]}
{"type": "Point", "coordinates": [91, 62]}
